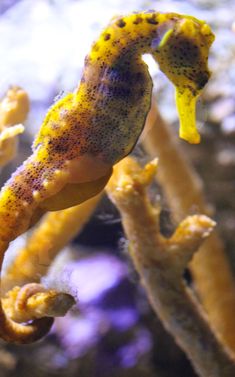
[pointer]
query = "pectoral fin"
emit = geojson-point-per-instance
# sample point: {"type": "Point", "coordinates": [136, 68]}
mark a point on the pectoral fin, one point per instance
{"type": "Point", "coordinates": [75, 193]}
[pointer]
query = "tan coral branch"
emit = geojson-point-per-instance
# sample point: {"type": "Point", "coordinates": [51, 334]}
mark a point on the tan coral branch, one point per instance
{"type": "Point", "coordinates": [54, 232]}
{"type": "Point", "coordinates": [161, 262]}
{"type": "Point", "coordinates": [14, 109]}
{"type": "Point", "coordinates": [184, 192]}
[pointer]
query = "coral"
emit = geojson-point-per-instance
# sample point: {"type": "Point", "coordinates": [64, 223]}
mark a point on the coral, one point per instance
{"type": "Point", "coordinates": [184, 193]}
{"type": "Point", "coordinates": [55, 231]}
{"type": "Point", "coordinates": [14, 109]}
{"type": "Point", "coordinates": [161, 262]}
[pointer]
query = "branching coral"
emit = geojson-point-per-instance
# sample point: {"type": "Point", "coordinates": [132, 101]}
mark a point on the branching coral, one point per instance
{"type": "Point", "coordinates": [14, 108]}
{"type": "Point", "coordinates": [54, 232]}
{"type": "Point", "coordinates": [184, 194]}
{"type": "Point", "coordinates": [75, 149]}
{"type": "Point", "coordinates": [161, 263]}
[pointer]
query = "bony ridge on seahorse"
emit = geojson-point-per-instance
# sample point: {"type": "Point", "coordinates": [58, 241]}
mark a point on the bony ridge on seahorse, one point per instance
{"type": "Point", "coordinates": [88, 131]}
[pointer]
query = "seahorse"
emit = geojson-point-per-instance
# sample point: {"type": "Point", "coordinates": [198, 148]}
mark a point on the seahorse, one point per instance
{"type": "Point", "coordinates": [85, 133]}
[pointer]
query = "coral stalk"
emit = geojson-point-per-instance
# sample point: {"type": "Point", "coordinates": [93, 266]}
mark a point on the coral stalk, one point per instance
{"type": "Point", "coordinates": [184, 193]}
{"type": "Point", "coordinates": [161, 262]}
{"type": "Point", "coordinates": [54, 232]}
{"type": "Point", "coordinates": [14, 108]}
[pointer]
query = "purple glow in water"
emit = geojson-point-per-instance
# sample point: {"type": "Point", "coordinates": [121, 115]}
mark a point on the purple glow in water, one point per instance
{"type": "Point", "coordinates": [130, 353]}
{"type": "Point", "coordinates": [124, 318]}
{"type": "Point", "coordinates": [91, 277]}
{"type": "Point", "coordinates": [77, 334]}
{"type": "Point", "coordinates": [107, 307]}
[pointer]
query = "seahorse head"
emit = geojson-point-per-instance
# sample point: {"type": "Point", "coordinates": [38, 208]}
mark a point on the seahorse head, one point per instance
{"type": "Point", "coordinates": [181, 49]}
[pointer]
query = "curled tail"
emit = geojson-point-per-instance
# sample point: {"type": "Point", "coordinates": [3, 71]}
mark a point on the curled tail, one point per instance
{"type": "Point", "coordinates": [13, 332]}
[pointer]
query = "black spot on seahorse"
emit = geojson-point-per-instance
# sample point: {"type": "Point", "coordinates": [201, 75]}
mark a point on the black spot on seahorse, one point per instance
{"type": "Point", "coordinates": [138, 20]}
{"type": "Point", "coordinates": [107, 36]}
{"type": "Point", "coordinates": [121, 23]}
{"type": "Point", "coordinates": [152, 20]}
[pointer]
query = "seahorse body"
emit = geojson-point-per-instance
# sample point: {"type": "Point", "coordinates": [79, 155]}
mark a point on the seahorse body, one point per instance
{"type": "Point", "coordinates": [88, 131]}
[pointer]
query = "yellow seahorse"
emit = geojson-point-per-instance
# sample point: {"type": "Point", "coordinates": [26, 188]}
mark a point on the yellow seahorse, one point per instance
{"type": "Point", "coordinates": [88, 131]}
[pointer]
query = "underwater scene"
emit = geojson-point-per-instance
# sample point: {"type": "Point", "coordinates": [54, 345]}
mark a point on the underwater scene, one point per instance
{"type": "Point", "coordinates": [117, 207]}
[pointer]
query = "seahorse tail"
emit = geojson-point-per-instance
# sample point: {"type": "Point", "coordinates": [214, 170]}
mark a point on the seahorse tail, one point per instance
{"type": "Point", "coordinates": [13, 332]}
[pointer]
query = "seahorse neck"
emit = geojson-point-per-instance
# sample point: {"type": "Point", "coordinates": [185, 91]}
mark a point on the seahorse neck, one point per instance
{"type": "Point", "coordinates": [130, 36]}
